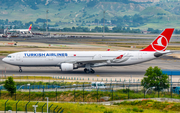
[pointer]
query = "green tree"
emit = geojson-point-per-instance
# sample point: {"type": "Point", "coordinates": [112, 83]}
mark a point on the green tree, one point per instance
{"type": "Point", "coordinates": [10, 85]}
{"type": "Point", "coordinates": [155, 78]}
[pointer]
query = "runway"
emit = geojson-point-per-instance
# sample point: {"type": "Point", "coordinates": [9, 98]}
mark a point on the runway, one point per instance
{"type": "Point", "coordinates": [119, 72]}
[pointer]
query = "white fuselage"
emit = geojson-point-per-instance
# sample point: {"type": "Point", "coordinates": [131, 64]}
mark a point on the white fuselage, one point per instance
{"type": "Point", "coordinates": [20, 30]}
{"type": "Point", "coordinates": [99, 58]}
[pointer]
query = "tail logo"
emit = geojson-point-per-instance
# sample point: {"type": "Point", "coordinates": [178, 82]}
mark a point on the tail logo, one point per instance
{"type": "Point", "coordinates": [30, 27]}
{"type": "Point", "coordinates": [160, 43]}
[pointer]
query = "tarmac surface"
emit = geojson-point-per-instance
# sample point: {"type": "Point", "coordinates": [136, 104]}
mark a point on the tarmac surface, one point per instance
{"type": "Point", "coordinates": [136, 38]}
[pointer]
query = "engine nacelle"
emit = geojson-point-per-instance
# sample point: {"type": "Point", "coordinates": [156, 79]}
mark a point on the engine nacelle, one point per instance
{"type": "Point", "coordinates": [67, 67]}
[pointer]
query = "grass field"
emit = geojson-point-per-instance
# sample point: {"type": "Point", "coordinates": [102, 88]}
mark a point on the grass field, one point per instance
{"type": "Point", "coordinates": [78, 95]}
{"type": "Point", "coordinates": [94, 108]}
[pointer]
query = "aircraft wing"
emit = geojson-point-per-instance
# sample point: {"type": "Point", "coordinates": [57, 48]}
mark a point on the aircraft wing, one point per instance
{"type": "Point", "coordinates": [92, 61]}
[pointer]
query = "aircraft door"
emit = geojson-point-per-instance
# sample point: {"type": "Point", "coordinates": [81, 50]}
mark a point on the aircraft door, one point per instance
{"type": "Point", "coordinates": [18, 57]}
{"type": "Point", "coordinates": [140, 56]}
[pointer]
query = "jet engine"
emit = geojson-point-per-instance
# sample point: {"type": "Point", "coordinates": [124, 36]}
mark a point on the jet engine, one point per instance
{"type": "Point", "coordinates": [67, 67]}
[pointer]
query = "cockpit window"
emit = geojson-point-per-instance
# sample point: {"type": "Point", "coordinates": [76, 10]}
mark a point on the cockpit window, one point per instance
{"type": "Point", "coordinates": [9, 56]}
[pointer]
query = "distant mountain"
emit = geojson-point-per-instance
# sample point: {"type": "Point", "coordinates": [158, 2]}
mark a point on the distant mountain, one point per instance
{"type": "Point", "coordinates": [68, 13]}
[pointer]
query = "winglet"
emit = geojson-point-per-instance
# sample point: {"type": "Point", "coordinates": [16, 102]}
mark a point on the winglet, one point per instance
{"type": "Point", "coordinates": [161, 42]}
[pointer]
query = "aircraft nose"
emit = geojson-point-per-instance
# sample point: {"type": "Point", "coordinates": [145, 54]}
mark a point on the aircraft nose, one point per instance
{"type": "Point", "coordinates": [4, 59]}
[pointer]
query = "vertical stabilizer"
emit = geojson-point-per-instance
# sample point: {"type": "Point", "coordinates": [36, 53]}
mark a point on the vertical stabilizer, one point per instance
{"type": "Point", "coordinates": [161, 42]}
{"type": "Point", "coordinates": [30, 27]}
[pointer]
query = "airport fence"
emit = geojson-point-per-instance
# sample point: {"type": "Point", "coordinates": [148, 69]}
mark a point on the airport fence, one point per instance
{"type": "Point", "coordinates": [83, 92]}
{"type": "Point", "coordinates": [28, 106]}
{"type": "Point", "coordinates": [87, 93]}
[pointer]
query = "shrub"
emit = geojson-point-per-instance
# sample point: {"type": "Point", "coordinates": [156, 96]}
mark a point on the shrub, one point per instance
{"type": "Point", "coordinates": [141, 110]}
{"type": "Point", "coordinates": [149, 103]}
{"type": "Point", "coordinates": [117, 103]}
{"type": "Point", "coordinates": [128, 109]}
{"type": "Point", "coordinates": [108, 112]}
{"type": "Point", "coordinates": [19, 109]}
{"type": "Point", "coordinates": [176, 107]}
{"type": "Point", "coordinates": [125, 103]}
{"type": "Point", "coordinates": [135, 109]}
{"type": "Point", "coordinates": [135, 102]}
{"type": "Point", "coordinates": [102, 107]}
{"type": "Point", "coordinates": [8, 108]}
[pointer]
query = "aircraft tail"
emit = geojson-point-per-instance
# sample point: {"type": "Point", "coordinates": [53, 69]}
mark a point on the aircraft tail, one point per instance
{"type": "Point", "coordinates": [30, 27]}
{"type": "Point", "coordinates": [161, 42]}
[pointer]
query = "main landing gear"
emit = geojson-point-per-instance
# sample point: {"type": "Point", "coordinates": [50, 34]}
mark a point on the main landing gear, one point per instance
{"type": "Point", "coordinates": [89, 70]}
{"type": "Point", "coordinates": [20, 70]}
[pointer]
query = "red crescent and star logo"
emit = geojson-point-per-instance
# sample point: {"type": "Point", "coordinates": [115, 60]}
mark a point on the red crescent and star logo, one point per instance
{"type": "Point", "coordinates": [160, 43]}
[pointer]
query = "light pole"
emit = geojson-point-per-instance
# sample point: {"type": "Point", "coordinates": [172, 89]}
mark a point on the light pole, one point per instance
{"type": "Point", "coordinates": [35, 106]}
{"type": "Point", "coordinates": [171, 84]}
{"type": "Point", "coordinates": [46, 21]}
{"type": "Point", "coordinates": [103, 22]}
{"type": "Point", "coordinates": [29, 90]}
{"type": "Point", "coordinates": [56, 93]}
{"type": "Point", "coordinates": [47, 103]}
{"type": "Point", "coordinates": [144, 90]}
{"type": "Point", "coordinates": [149, 89]}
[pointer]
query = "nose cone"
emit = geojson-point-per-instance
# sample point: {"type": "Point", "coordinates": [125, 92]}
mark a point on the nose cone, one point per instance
{"type": "Point", "coordinates": [4, 59]}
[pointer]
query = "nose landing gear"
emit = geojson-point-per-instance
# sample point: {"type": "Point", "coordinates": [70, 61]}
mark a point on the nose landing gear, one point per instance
{"type": "Point", "coordinates": [20, 70]}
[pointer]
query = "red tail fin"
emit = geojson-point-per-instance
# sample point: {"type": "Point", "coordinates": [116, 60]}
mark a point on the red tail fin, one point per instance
{"type": "Point", "coordinates": [30, 27]}
{"type": "Point", "coordinates": [161, 42]}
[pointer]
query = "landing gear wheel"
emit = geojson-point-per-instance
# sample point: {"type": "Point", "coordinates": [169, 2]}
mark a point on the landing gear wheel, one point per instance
{"type": "Point", "coordinates": [85, 70]}
{"type": "Point", "coordinates": [20, 70]}
{"type": "Point", "coordinates": [89, 71]}
{"type": "Point", "coordinates": [92, 71]}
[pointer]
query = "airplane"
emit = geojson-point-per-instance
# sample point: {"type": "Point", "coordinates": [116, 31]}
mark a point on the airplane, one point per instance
{"type": "Point", "coordinates": [21, 30]}
{"type": "Point", "coordinates": [70, 60]}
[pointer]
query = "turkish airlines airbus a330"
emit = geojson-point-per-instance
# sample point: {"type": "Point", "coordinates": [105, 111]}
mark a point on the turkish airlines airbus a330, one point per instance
{"type": "Point", "coordinates": [70, 60]}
